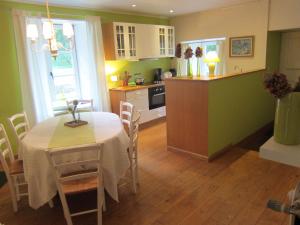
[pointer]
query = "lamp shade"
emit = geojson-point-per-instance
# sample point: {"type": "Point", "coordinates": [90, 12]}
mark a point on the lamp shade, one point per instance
{"type": "Point", "coordinates": [68, 30]}
{"type": "Point", "coordinates": [212, 57]}
{"type": "Point", "coordinates": [32, 32]}
{"type": "Point", "coordinates": [48, 30]}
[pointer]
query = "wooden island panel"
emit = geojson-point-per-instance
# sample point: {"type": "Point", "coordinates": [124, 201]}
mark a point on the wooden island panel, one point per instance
{"type": "Point", "coordinates": [187, 116]}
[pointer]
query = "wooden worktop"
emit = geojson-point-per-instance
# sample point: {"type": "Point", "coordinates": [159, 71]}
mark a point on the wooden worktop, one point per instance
{"type": "Point", "coordinates": [137, 87]}
{"type": "Point", "coordinates": [211, 78]}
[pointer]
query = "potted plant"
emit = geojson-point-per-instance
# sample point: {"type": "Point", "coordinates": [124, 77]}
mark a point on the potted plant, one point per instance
{"type": "Point", "coordinates": [287, 117]}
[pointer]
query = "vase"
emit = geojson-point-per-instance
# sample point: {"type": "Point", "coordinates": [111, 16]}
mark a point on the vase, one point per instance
{"type": "Point", "coordinates": [178, 67]}
{"type": "Point", "coordinates": [198, 67]}
{"type": "Point", "coordinates": [189, 69]}
{"type": "Point", "coordinates": [287, 120]}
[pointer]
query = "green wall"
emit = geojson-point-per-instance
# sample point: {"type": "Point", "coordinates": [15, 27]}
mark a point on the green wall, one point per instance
{"type": "Point", "coordinates": [239, 106]}
{"type": "Point", "coordinates": [10, 91]}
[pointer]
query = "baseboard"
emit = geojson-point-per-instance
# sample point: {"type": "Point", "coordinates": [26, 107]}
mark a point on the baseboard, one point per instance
{"type": "Point", "coordinates": [220, 153]}
{"type": "Point", "coordinates": [152, 122]}
{"type": "Point", "coordinates": [181, 151]}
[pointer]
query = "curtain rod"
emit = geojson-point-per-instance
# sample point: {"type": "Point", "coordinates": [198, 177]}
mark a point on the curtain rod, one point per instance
{"type": "Point", "coordinates": [203, 40]}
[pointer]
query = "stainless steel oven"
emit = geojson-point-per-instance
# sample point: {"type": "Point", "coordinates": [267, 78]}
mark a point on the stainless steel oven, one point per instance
{"type": "Point", "coordinates": [156, 97]}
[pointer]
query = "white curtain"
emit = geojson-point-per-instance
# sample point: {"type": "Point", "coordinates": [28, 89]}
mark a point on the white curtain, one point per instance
{"type": "Point", "coordinates": [33, 69]}
{"type": "Point", "coordinates": [96, 63]}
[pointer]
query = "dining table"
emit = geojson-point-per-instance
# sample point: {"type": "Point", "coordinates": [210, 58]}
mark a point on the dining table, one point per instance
{"type": "Point", "coordinates": [102, 127]}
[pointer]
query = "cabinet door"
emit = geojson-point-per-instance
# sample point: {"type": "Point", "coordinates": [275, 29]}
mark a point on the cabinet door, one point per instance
{"type": "Point", "coordinates": [171, 42]}
{"type": "Point", "coordinates": [120, 41]}
{"type": "Point", "coordinates": [131, 34]}
{"type": "Point", "coordinates": [162, 41]}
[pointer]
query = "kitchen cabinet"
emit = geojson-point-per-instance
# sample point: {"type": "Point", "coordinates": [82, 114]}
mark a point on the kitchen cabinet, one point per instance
{"type": "Point", "coordinates": [166, 41]}
{"type": "Point", "coordinates": [138, 96]}
{"type": "Point", "coordinates": [120, 41]}
{"type": "Point", "coordinates": [129, 41]}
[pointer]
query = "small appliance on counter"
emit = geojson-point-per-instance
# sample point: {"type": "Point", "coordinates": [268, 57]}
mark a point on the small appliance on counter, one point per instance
{"type": "Point", "coordinates": [174, 72]}
{"type": "Point", "coordinates": [157, 76]}
{"type": "Point", "coordinates": [139, 79]}
{"type": "Point", "coordinates": [166, 74]}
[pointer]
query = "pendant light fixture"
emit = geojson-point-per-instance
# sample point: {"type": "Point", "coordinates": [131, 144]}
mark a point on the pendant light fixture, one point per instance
{"type": "Point", "coordinates": [49, 34]}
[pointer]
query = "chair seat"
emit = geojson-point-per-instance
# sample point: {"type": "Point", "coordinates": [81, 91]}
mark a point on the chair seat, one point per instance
{"type": "Point", "coordinates": [79, 186]}
{"type": "Point", "coordinates": [16, 167]}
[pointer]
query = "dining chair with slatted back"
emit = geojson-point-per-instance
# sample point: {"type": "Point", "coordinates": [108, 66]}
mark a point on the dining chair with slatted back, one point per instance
{"type": "Point", "coordinates": [86, 176]}
{"type": "Point", "coordinates": [20, 126]}
{"type": "Point", "coordinates": [126, 113]}
{"type": "Point", "coordinates": [13, 169]}
{"type": "Point", "coordinates": [84, 105]}
{"type": "Point", "coordinates": [133, 149]}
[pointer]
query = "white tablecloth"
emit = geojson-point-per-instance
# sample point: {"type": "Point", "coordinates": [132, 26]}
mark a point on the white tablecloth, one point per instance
{"type": "Point", "coordinates": [107, 128]}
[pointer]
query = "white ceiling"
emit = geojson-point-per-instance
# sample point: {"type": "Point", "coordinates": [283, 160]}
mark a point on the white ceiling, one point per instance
{"type": "Point", "coordinates": [151, 7]}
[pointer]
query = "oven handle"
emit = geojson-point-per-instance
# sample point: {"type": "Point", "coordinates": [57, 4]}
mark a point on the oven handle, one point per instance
{"type": "Point", "coordinates": [159, 94]}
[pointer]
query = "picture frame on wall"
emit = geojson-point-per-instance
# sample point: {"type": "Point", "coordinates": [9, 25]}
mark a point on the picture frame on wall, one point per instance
{"type": "Point", "coordinates": [241, 46]}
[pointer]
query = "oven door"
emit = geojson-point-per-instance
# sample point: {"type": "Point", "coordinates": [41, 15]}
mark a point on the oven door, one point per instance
{"type": "Point", "coordinates": [156, 97]}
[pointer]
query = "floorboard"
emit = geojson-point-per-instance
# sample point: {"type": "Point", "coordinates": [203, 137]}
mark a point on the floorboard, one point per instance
{"type": "Point", "coordinates": [177, 189]}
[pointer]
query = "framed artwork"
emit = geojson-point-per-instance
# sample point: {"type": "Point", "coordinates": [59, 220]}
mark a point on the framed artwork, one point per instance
{"type": "Point", "coordinates": [241, 46]}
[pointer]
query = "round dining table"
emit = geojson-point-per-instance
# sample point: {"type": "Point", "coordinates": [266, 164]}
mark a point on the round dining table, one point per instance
{"type": "Point", "coordinates": [102, 127]}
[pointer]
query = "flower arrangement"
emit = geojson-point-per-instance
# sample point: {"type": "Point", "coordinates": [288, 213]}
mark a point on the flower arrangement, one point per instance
{"type": "Point", "coordinates": [178, 54]}
{"type": "Point", "coordinates": [178, 51]}
{"type": "Point", "coordinates": [73, 111]}
{"type": "Point", "coordinates": [277, 84]}
{"type": "Point", "coordinates": [187, 55]}
{"type": "Point", "coordinates": [198, 54]}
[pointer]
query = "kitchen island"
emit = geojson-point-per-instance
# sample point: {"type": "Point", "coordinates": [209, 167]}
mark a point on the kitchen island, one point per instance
{"type": "Point", "coordinates": [207, 115]}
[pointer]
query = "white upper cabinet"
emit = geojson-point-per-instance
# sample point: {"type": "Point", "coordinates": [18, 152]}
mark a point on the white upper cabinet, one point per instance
{"type": "Point", "coordinates": [120, 41]}
{"type": "Point", "coordinates": [165, 37]}
{"type": "Point", "coordinates": [129, 41]}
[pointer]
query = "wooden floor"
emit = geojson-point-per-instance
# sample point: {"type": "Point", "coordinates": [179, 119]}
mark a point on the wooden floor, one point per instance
{"type": "Point", "coordinates": [179, 190]}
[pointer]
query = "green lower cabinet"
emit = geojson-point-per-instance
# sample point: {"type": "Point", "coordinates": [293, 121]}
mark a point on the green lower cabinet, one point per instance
{"type": "Point", "coordinates": [287, 120]}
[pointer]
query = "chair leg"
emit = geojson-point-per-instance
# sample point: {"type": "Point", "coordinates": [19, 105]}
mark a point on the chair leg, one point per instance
{"type": "Point", "coordinates": [133, 179]}
{"type": "Point", "coordinates": [50, 203]}
{"type": "Point", "coordinates": [100, 205]}
{"type": "Point", "coordinates": [104, 202]}
{"type": "Point", "coordinates": [15, 178]}
{"type": "Point", "coordinates": [66, 209]}
{"type": "Point", "coordinates": [12, 189]}
{"type": "Point", "coordinates": [136, 168]}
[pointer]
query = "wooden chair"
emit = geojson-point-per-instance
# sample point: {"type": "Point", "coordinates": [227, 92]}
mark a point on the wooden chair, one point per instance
{"type": "Point", "coordinates": [126, 113]}
{"type": "Point", "coordinates": [84, 105]}
{"type": "Point", "coordinates": [133, 149]}
{"type": "Point", "coordinates": [20, 126]}
{"type": "Point", "coordinates": [13, 169]}
{"type": "Point", "coordinates": [81, 180]}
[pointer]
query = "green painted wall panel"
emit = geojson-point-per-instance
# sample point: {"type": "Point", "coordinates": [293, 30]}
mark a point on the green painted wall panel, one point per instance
{"type": "Point", "coordinates": [238, 107]}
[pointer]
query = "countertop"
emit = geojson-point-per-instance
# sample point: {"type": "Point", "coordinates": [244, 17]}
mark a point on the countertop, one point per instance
{"type": "Point", "coordinates": [137, 87]}
{"type": "Point", "coordinates": [211, 78]}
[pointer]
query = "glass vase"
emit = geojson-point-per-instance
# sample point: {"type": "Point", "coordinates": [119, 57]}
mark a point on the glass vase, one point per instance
{"type": "Point", "coordinates": [189, 68]}
{"type": "Point", "coordinates": [198, 67]}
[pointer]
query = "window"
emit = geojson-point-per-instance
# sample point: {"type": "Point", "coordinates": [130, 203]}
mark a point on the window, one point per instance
{"type": "Point", "coordinates": [216, 45]}
{"type": "Point", "coordinates": [64, 78]}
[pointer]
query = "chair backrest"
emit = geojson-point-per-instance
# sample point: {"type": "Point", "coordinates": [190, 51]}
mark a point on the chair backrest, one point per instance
{"type": "Point", "coordinates": [83, 104]}
{"type": "Point", "coordinates": [19, 124]}
{"type": "Point", "coordinates": [80, 168]}
{"type": "Point", "coordinates": [6, 153]}
{"type": "Point", "coordinates": [126, 113]}
{"type": "Point", "coordinates": [134, 131]}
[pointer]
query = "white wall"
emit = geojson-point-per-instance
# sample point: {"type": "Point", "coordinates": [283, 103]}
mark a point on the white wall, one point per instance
{"type": "Point", "coordinates": [241, 20]}
{"type": "Point", "coordinates": [284, 14]}
{"type": "Point", "coordinates": [290, 56]}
